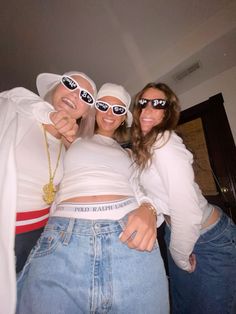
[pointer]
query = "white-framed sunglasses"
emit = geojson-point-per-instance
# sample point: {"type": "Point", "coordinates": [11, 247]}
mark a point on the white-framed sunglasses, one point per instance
{"type": "Point", "coordinates": [117, 110]}
{"type": "Point", "coordinates": [72, 85]}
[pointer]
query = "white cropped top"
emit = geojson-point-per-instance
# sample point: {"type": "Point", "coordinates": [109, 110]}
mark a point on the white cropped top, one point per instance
{"type": "Point", "coordinates": [98, 166]}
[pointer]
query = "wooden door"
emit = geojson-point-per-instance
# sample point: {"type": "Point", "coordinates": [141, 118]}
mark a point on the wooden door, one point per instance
{"type": "Point", "coordinates": [206, 132]}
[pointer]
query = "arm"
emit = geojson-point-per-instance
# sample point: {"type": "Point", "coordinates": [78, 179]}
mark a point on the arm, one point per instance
{"type": "Point", "coordinates": [24, 102]}
{"type": "Point", "coordinates": [140, 231]}
{"type": "Point", "coordinates": [173, 162]}
{"type": "Point", "coordinates": [27, 103]}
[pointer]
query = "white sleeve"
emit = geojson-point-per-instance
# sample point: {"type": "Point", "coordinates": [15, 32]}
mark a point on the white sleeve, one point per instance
{"type": "Point", "coordinates": [174, 165]}
{"type": "Point", "coordinates": [139, 191]}
{"type": "Point", "coordinates": [27, 103]}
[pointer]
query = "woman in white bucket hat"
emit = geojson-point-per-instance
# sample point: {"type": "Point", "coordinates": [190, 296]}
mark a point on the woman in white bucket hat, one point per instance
{"type": "Point", "coordinates": [80, 264]}
{"type": "Point", "coordinates": [31, 153]}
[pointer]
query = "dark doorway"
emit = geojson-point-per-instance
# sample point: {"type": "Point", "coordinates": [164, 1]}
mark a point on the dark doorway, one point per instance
{"type": "Point", "coordinates": [208, 120]}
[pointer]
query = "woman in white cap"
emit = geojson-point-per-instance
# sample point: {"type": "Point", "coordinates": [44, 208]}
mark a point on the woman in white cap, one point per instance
{"type": "Point", "coordinates": [80, 264]}
{"type": "Point", "coordinates": [31, 153]}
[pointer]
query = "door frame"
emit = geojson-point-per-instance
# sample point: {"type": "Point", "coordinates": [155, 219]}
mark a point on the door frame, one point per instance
{"type": "Point", "coordinates": [221, 149]}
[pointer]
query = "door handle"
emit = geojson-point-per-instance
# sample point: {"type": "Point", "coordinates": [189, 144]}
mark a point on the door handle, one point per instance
{"type": "Point", "coordinates": [224, 189]}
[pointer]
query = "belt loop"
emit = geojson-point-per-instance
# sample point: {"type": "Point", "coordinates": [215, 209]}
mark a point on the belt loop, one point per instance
{"type": "Point", "coordinates": [69, 231]}
{"type": "Point", "coordinates": [123, 221]}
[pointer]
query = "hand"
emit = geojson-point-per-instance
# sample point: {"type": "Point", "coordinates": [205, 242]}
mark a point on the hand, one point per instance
{"type": "Point", "coordinates": [140, 232]}
{"type": "Point", "coordinates": [65, 125]}
{"type": "Point", "coordinates": [193, 262]}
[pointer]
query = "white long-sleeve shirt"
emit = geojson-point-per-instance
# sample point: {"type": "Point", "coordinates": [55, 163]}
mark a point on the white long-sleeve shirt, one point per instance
{"type": "Point", "coordinates": [15, 105]}
{"type": "Point", "coordinates": [170, 179]}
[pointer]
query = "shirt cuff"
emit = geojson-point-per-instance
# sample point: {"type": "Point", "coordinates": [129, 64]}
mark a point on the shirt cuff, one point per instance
{"type": "Point", "coordinates": [181, 260]}
{"type": "Point", "coordinates": [145, 199]}
{"type": "Point", "coordinates": [43, 115]}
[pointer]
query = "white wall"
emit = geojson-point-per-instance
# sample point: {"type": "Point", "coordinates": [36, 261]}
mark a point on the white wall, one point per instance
{"type": "Point", "coordinates": [224, 83]}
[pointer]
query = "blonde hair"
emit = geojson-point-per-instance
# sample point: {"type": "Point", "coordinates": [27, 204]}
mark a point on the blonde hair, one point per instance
{"type": "Point", "coordinates": [86, 123]}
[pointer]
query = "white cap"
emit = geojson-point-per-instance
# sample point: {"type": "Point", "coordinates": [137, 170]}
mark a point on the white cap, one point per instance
{"type": "Point", "coordinates": [45, 82]}
{"type": "Point", "coordinates": [117, 91]}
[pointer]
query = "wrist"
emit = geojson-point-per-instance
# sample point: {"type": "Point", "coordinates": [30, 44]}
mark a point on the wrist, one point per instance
{"type": "Point", "coordinates": [51, 116]}
{"type": "Point", "coordinates": [151, 208]}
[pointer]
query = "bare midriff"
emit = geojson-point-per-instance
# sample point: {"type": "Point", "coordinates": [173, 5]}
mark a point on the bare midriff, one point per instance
{"type": "Point", "coordinates": [214, 216]}
{"type": "Point", "coordinates": [95, 198]}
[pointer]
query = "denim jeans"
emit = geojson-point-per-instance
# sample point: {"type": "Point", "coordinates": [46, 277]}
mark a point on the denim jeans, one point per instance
{"type": "Point", "coordinates": [24, 243]}
{"type": "Point", "coordinates": [211, 288]}
{"type": "Point", "coordinates": [81, 266]}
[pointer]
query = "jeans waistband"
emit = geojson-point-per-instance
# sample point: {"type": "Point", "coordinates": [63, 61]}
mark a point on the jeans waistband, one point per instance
{"type": "Point", "coordinates": [85, 226]}
{"type": "Point", "coordinates": [210, 226]}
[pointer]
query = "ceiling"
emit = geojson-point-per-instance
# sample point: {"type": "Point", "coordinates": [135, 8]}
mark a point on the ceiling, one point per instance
{"type": "Point", "coordinates": [129, 42]}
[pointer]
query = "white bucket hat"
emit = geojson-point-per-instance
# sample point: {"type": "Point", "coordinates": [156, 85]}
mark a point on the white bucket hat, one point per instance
{"type": "Point", "coordinates": [118, 91]}
{"type": "Point", "coordinates": [45, 82]}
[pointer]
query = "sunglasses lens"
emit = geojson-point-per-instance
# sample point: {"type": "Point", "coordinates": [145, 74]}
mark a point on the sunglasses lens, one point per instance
{"type": "Point", "coordinates": [143, 102]}
{"type": "Point", "coordinates": [69, 83]}
{"type": "Point", "coordinates": [119, 110]}
{"type": "Point", "coordinates": [102, 106]}
{"type": "Point", "coordinates": [159, 103]}
{"type": "Point", "coordinates": [86, 97]}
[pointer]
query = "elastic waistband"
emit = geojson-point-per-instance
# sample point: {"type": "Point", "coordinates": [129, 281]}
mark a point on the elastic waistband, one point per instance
{"type": "Point", "coordinates": [215, 230]}
{"type": "Point", "coordinates": [207, 213]}
{"type": "Point", "coordinates": [212, 225]}
{"type": "Point", "coordinates": [31, 220]}
{"type": "Point", "coordinates": [100, 210]}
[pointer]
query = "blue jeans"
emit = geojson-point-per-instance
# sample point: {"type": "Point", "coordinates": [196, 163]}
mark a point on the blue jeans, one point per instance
{"type": "Point", "coordinates": [24, 242]}
{"type": "Point", "coordinates": [81, 266]}
{"type": "Point", "coordinates": [211, 288]}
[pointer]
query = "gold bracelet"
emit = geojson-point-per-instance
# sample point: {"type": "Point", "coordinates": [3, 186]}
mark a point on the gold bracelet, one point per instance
{"type": "Point", "coordinates": [150, 207]}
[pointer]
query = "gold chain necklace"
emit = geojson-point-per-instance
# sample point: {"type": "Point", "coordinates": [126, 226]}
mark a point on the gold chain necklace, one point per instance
{"type": "Point", "coordinates": [49, 189]}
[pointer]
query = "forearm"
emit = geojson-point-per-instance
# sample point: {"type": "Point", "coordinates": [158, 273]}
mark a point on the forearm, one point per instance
{"type": "Point", "coordinates": [182, 242]}
{"type": "Point", "coordinates": [29, 104]}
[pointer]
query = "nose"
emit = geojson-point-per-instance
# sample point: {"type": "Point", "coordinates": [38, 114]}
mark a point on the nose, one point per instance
{"type": "Point", "coordinates": [148, 107]}
{"type": "Point", "coordinates": [75, 94]}
{"type": "Point", "coordinates": [109, 111]}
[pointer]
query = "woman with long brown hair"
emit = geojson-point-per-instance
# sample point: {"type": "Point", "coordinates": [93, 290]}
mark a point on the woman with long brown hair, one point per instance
{"type": "Point", "coordinates": [200, 236]}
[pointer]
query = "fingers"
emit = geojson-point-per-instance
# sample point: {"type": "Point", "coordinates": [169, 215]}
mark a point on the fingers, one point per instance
{"type": "Point", "coordinates": [61, 120]}
{"type": "Point", "coordinates": [64, 124]}
{"type": "Point", "coordinates": [57, 116]}
{"type": "Point", "coordinates": [139, 233]}
{"type": "Point", "coordinates": [139, 240]}
{"type": "Point", "coordinates": [71, 135]}
{"type": "Point", "coordinates": [193, 262]}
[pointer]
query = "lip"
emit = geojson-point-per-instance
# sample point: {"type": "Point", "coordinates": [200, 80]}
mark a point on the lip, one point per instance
{"type": "Point", "coordinates": [110, 121]}
{"type": "Point", "coordinates": [146, 120]}
{"type": "Point", "coordinates": [69, 102]}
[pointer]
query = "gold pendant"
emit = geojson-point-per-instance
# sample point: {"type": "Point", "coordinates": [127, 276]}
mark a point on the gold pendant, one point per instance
{"type": "Point", "coordinates": [49, 192]}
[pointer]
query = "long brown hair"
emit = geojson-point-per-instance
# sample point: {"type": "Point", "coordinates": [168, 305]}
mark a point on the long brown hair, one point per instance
{"type": "Point", "coordinates": [142, 144]}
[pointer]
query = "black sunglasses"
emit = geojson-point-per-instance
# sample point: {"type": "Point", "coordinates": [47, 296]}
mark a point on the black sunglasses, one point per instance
{"type": "Point", "coordinates": [72, 85]}
{"type": "Point", "coordinates": [156, 103]}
